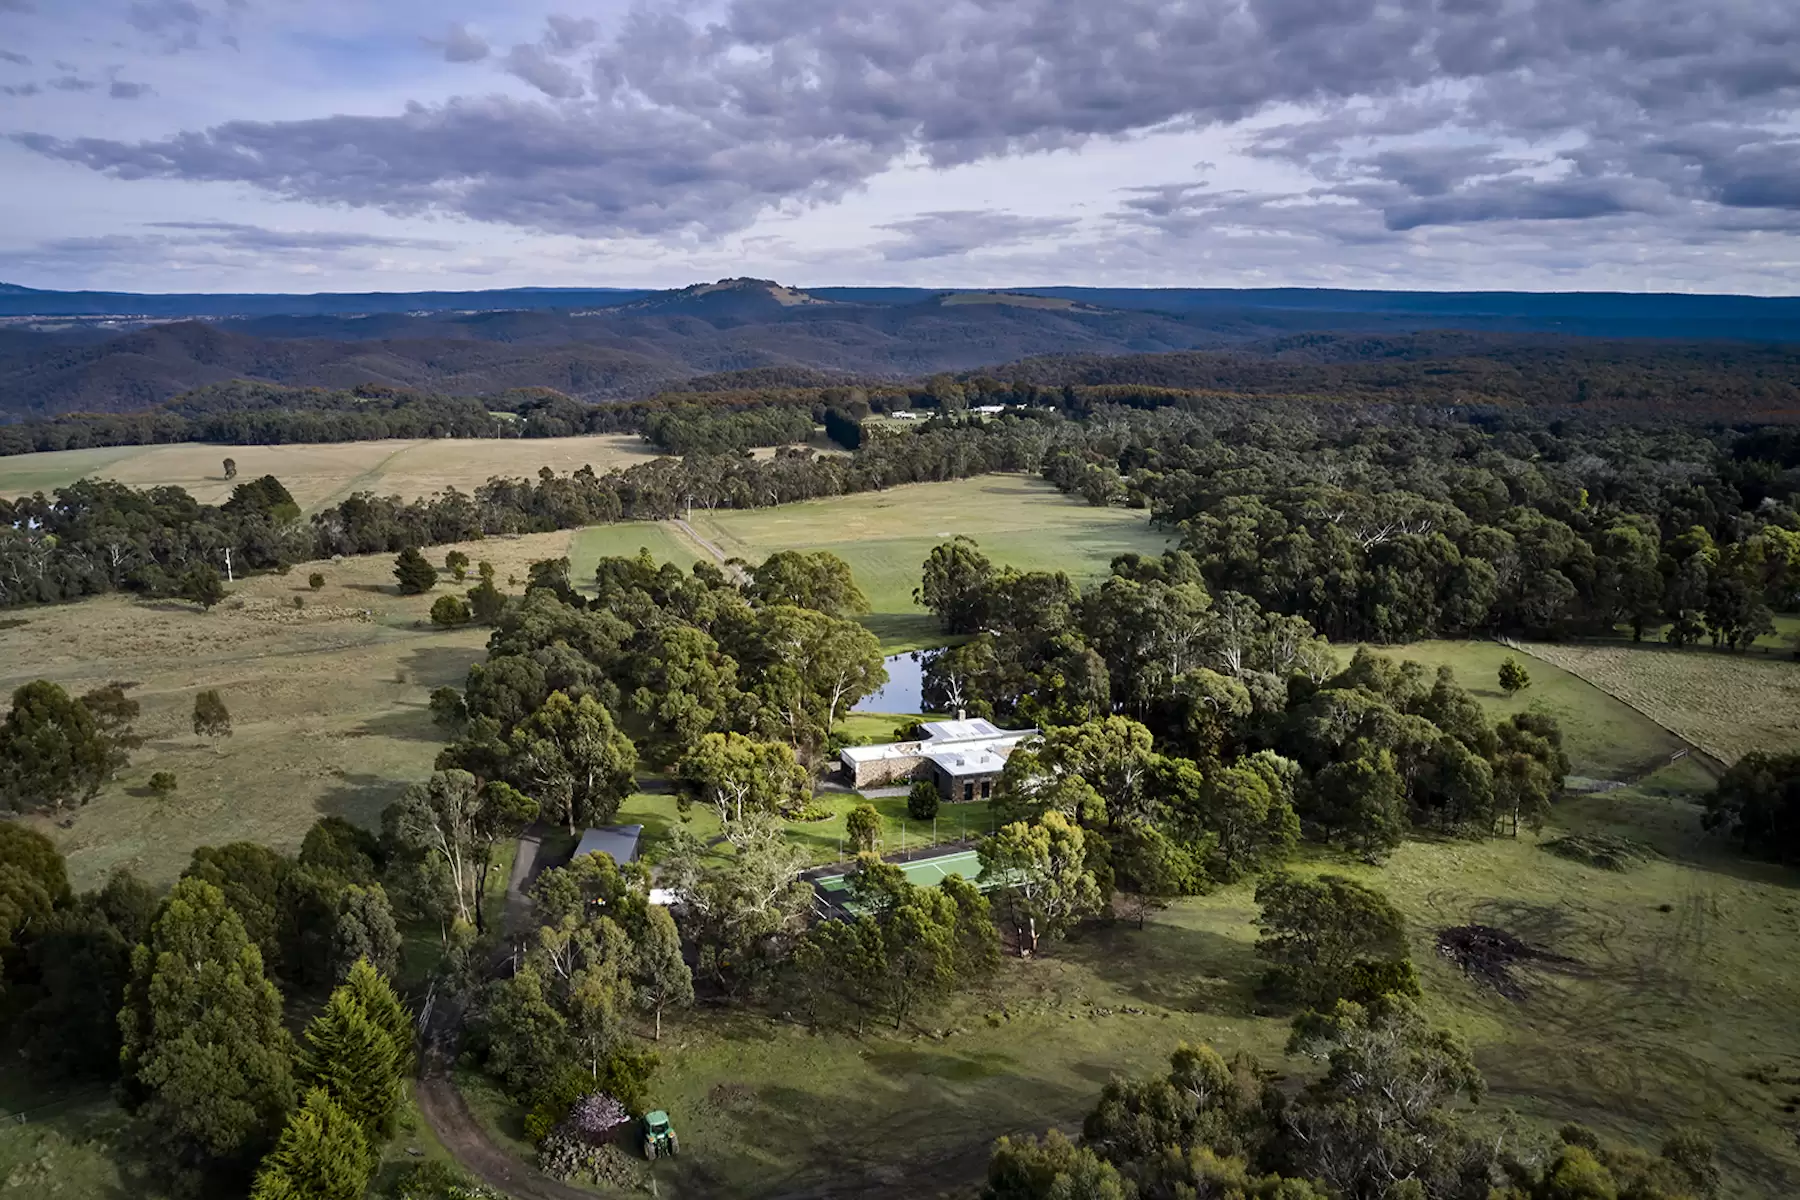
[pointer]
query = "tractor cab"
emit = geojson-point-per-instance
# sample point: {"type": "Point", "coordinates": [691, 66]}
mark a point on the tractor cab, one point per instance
{"type": "Point", "coordinates": [659, 1136]}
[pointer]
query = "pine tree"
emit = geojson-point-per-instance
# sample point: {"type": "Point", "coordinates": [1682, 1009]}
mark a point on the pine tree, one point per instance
{"type": "Point", "coordinates": [322, 1155]}
{"type": "Point", "coordinates": [205, 1058]}
{"type": "Point", "coordinates": [383, 1007]}
{"type": "Point", "coordinates": [414, 572]}
{"type": "Point", "coordinates": [355, 1060]}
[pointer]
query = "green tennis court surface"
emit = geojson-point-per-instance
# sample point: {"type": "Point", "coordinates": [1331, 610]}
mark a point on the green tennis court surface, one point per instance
{"type": "Point", "coordinates": [926, 872]}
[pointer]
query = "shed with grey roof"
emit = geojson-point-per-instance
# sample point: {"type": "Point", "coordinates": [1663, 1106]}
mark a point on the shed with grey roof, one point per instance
{"type": "Point", "coordinates": [619, 841]}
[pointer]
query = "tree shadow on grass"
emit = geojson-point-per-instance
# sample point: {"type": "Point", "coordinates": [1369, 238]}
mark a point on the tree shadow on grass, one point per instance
{"type": "Point", "coordinates": [910, 628]}
{"type": "Point", "coordinates": [441, 666]}
{"type": "Point", "coordinates": [359, 798]}
{"type": "Point", "coordinates": [412, 723]}
{"type": "Point", "coordinates": [904, 1138]}
{"type": "Point", "coordinates": [1171, 966]}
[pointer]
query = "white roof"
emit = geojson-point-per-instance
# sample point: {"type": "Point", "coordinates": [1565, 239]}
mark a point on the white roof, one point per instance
{"type": "Point", "coordinates": [962, 747]}
{"type": "Point", "coordinates": [964, 730]}
{"type": "Point", "coordinates": [862, 754]}
{"type": "Point", "coordinates": [982, 761]}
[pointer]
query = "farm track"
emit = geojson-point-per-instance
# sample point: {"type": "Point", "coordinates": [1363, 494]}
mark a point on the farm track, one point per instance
{"type": "Point", "coordinates": [364, 481]}
{"type": "Point", "coordinates": [445, 1110]}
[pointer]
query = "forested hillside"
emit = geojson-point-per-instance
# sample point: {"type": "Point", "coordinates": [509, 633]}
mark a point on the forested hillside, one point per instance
{"type": "Point", "coordinates": [755, 330]}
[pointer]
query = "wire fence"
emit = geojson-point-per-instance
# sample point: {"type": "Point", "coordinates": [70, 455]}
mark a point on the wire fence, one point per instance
{"type": "Point", "coordinates": [51, 1108]}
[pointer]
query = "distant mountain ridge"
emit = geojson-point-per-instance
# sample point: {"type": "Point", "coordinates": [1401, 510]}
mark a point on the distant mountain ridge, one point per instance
{"type": "Point", "coordinates": [600, 344]}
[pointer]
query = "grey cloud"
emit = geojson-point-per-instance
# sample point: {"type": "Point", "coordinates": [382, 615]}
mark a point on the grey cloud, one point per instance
{"type": "Point", "coordinates": [224, 245]}
{"type": "Point", "coordinates": [496, 159]}
{"type": "Point", "coordinates": [960, 231]}
{"type": "Point", "coordinates": [534, 65]}
{"type": "Point", "coordinates": [73, 83]}
{"type": "Point", "coordinates": [701, 123]}
{"type": "Point", "coordinates": [9, 56]}
{"type": "Point", "coordinates": [21, 89]}
{"type": "Point", "coordinates": [123, 89]}
{"type": "Point", "coordinates": [1526, 200]}
{"type": "Point", "coordinates": [567, 34]}
{"type": "Point", "coordinates": [160, 16]}
{"type": "Point", "coordinates": [17, 6]}
{"type": "Point", "coordinates": [461, 45]}
{"type": "Point", "coordinates": [257, 237]}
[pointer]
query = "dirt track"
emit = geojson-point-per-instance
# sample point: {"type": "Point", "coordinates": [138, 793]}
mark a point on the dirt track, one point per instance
{"type": "Point", "coordinates": [456, 1127]}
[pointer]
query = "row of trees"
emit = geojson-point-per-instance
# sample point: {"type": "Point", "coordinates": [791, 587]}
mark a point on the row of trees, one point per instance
{"type": "Point", "coordinates": [95, 537]}
{"type": "Point", "coordinates": [689, 429]}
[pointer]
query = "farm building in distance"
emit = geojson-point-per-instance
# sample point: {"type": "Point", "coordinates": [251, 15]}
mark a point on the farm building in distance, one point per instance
{"type": "Point", "coordinates": [963, 757]}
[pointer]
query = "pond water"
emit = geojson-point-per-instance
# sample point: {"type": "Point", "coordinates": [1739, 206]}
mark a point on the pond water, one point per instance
{"type": "Point", "coordinates": [904, 690]}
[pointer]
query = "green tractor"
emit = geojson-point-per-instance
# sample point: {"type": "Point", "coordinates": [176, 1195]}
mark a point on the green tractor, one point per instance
{"type": "Point", "coordinates": [659, 1136]}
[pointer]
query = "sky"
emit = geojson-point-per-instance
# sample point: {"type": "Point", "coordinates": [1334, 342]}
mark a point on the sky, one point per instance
{"type": "Point", "coordinates": [353, 145]}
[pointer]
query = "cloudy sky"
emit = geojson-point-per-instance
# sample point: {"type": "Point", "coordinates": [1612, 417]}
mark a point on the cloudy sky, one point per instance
{"type": "Point", "coordinates": [272, 145]}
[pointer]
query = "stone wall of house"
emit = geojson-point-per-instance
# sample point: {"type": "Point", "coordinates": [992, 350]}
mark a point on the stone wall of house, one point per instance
{"type": "Point", "coordinates": [887, 772]}
{"type": "Point", "coordinates": [950, 787]}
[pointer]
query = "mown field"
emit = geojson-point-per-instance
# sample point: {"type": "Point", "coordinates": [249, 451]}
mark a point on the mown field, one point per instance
{"type": "Point", "coordinates": [322, 474]}
{"type": "Point", "coordinates": [1018, 520]}
{"type": "Point", "coordinates": [1727, 704]}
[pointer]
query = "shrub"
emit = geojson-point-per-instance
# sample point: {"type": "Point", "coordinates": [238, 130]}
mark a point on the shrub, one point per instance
{"type": "Point", "coordinates": [163, 783]}
{"type": "Point", "coordinates": [315, 581]}
{"type": "Point", "coordinates": [451, 611]}
{"type": "Point", "coordinates": [863, 825]}
{"type": "Point", "coordinates": [922, 802]}
{"type": "Point", "coordinates": [299, 601]}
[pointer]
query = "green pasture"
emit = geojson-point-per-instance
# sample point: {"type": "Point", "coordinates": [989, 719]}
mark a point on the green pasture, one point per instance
{"type": "Point", "coordinates": [595, 542]}
{"type": "Point", "coordinates": [23, 474]}
{"type": "Point", "coordinates": [1019, 521]}
{"type": "Point", "coordinates": [1605, 738]}
{"type": "Point", "coordinates": [1676, 1009]}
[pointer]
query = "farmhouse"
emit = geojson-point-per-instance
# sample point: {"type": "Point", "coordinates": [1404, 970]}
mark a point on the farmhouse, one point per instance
{"type": "Point", "coordinates": [962, 757]}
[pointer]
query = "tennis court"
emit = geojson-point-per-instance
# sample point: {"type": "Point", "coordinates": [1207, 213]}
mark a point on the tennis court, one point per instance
{"type": "Point", "coordinates": [926, 872]}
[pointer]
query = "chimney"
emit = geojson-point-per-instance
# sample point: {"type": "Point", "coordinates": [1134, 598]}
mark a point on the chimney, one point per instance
{"type": "Point", "coordinates": [962, 714]}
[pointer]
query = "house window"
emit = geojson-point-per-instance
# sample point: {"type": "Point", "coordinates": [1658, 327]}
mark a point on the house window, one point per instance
{"type": "Point", "coordinates": [987, 788]}
{"type": "Point", "coordinates": [968, 792]}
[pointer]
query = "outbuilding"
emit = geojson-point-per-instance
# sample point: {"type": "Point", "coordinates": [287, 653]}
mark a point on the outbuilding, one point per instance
{"type": "Point", "coordinates": [619, 841]}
